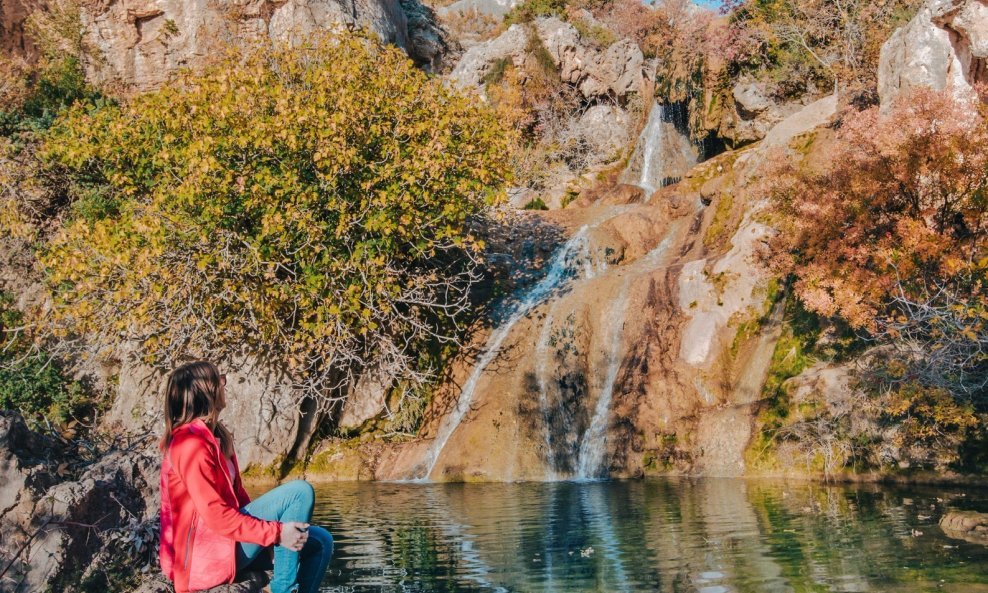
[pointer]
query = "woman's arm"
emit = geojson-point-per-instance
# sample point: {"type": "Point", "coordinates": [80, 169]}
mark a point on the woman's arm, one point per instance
{"type": "Point", "coordinates": [197, 466]}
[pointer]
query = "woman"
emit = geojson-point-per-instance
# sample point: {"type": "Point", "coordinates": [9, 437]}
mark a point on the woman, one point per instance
{"type": "Point", "coordinates": [210, 529]}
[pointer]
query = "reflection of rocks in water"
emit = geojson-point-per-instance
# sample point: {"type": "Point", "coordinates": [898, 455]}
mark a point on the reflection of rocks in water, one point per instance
{"type": "Point", "coordinates": [672, 535]}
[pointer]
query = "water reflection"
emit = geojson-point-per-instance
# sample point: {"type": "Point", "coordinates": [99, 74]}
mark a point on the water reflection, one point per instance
{"type": "Point", "coordinates": [697, 536]}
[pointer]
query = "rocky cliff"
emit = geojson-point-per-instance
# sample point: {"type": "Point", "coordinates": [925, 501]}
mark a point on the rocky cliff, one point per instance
{"type": "Point", "coordinates": [943, 47]}
{"type": "Point", "coordinates": [64, 516]}
{"type": "Point", "coordinates": [628, 356]}
{"type": "Point", "coordinates": [137, 44]}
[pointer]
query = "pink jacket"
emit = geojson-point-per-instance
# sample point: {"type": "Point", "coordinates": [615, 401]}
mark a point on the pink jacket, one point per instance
{"type": "Point", "coordinates": [201, 520]}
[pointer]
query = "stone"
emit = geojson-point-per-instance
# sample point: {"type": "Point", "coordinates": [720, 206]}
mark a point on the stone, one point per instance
{"type": "Point", "coordinates": [811, 116]}
{"type": "Point", "coordinates": [52, 530]}
{"type": "Point", "coordinates": [262, 407]}
{"type": "Point", "coordinates": [428, 43]}
{"type": "Point", "coordinates": [495, 8]}
{"type": "Point", "coordinates": [969, 526]}
{"type": "Point", "coordinates": [367, 398]}
{"type": "Point", "coordinates": [751, 97]}
{"type": "Point", "coordinates": [518, 197]}
{"type": "Point", "coordinates": [944, 46]}
{"type": "Point", "coordinates": [25, 458]}
{"type": "Point", "coordinates": [141, 43]}
{"type": "Point", "coordinates": [616, 72]}
{"type": "Point", "coordinates": [476, 62]}
{"type": "Point", "coordinates": [605, 128]}
{"type": "Point", "coordinates": [251, 582]}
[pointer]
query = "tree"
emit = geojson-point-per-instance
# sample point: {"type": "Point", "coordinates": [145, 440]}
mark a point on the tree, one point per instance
{"type": "Point", "coordinates": [306, 205]}
{"type": "Point", "coordinates": [826, 42]}
{"type": "Point", "coordinates": [890, 235]}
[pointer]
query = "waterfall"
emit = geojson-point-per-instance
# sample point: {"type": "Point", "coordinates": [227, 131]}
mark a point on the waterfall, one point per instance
{"type": "Point", "coordinates": [591, 461]}
{"type": "Point", "coordinates": [568, 260]}
{"type": "Point", "coordinates": [663, 152]}
{"type": "Point", "coordinates": [594, 443]}
{"type": "Point", "coordinates": [652, 135]}
{"type": "Point", "coordinates": [541, 354]}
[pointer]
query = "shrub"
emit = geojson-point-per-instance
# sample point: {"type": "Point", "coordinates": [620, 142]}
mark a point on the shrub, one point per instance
{"type": "Point", "coordinates": [32, 94]}
{"type": "Point", "coordinates": [816, 43]}
{"type": "Point", "coordinates": [529, 10]}
{"type": "Point", "coordinates": [304, 204]}
{"type": "Point", "coordinates": [890, 235]}
{"type": "Point", "coordinates": [30, 381]}
{"type": "Point", "coordinates": [930, 426]}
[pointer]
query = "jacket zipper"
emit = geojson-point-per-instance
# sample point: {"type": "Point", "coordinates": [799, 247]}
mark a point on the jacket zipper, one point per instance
{"type": "Point", "coordinates": [188, 542]}
{"type": "Point", "coordinates": [229, 481]}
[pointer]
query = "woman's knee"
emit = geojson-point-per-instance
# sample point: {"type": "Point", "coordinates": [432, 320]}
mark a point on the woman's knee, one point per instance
{"type": "Point", "coordinates": [302, 491]}
{"type": "Point", "coordinates": [323, 537]}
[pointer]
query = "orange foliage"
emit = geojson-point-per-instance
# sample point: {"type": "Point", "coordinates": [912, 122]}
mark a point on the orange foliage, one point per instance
{"type": "Point", "coordinates": [899, 210]}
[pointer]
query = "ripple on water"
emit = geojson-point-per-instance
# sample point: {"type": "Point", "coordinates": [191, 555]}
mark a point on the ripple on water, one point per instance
{"type": "Point", "coordinates": [697, 536]}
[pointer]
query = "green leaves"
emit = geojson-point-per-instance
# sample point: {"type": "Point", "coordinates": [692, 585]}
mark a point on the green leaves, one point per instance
{"type": "Point", "coordinates": [285, 195]}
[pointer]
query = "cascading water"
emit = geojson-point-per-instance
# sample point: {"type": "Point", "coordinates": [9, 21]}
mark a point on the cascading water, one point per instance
{"type": "Point", "coordinates": [663, 152]}
{"type": "Point", "coordinates": [652, 134]}
{"type": "Point", "coordinates": [591, 461]}
{"type": "Point", "coordinates": [570, 259]}
{"type": "Point", "coordinates": [541, 372]}
{"type": "Point", "coordinates": [594, 442]}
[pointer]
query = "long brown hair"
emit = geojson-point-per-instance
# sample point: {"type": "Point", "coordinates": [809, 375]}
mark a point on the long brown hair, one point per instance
{"type": "Point", "coordinates": [194, 392]}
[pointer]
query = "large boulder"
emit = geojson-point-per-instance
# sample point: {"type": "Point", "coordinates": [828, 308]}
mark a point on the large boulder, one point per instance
{"type": "Point", "coordinates": [60, 511]}
{"type": "Point", "coordinates": [26, 461]}
{"type": "Point", "coordinates": [605, 129]}
{"type": "Point", "coordinates": [969, 526]}
{"type": "Point", "coordinates": [142, 42]}
{"type": "Point", "coordinates": [494, 8]}
{"type": "Point", "coordinates": [367, 398]}
{"type": "Point", "coordinates": [943, 47]}
{"type": "Point", "coordinates": [477, 61]}
{"type": "Point", "coordinates": [428, 42]}
{"type": "Point", "coordinates": [752, 110]}
{"type": "Point", "coordinates": [617, 71]}
{"type": "Point", "coordinates": [262, 410]}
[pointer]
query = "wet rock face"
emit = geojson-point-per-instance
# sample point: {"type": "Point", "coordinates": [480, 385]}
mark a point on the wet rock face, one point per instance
{"type": "Point", "coordinates": [143, 42]}
{"type": "Point", "coordinates": [943, 47]}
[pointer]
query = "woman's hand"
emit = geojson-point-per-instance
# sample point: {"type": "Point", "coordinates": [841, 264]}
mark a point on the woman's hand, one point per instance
{"type": "Point", "coordinates": [293, 535]}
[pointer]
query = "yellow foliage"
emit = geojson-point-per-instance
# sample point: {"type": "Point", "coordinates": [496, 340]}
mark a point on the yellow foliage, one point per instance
{"type": "Point", "coordinates": [289, 201]}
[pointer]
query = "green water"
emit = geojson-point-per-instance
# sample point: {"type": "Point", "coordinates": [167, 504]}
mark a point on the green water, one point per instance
{"type": "Point", "coordinates": [703, 536]}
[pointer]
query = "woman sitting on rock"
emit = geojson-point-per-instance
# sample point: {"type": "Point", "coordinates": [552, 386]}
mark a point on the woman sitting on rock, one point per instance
{"type": "Point", "coordinates": [210, 529]}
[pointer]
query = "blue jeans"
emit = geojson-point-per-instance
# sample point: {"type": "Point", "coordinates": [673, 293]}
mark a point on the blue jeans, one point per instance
{"type": "Point", "coordinates": [294, 572]}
